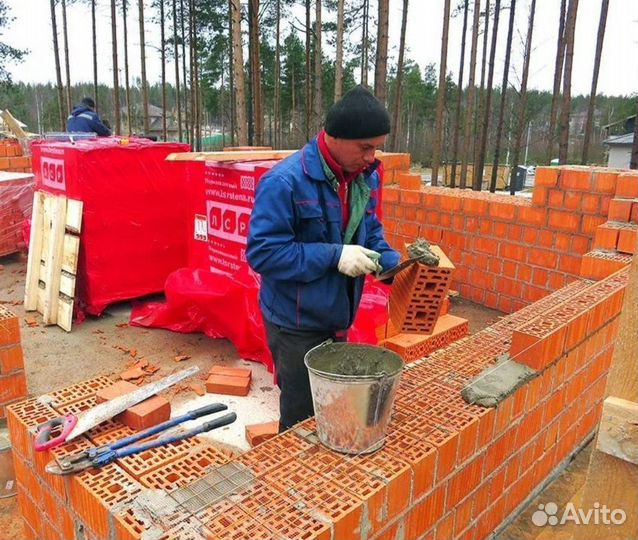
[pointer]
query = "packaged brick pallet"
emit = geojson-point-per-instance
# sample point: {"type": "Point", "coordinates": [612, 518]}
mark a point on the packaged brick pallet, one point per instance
{"type": "Point", "coordinates": [134, 213]}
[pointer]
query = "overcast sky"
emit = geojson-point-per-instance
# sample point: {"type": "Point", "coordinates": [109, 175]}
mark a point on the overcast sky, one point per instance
{"type": "Point", "coordinates": [618, 75]}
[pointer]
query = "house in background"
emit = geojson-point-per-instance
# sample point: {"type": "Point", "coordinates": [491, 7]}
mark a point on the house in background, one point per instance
{"type": "Point", "coordinates": [155, 115]}
{"type": "Point", "coordinates": [620, 138]}
{"type": "Point", "coordinates": [619, 150]}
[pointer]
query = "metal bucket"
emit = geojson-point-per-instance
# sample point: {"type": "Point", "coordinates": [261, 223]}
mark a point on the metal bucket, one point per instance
{"type": "Point", "coordinates": [7, 477]}
{"type": "Point", "coordinates": [353, 389]}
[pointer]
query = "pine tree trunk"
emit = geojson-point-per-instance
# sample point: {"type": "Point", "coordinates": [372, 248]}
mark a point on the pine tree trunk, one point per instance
{"type": "Point", "coordinates": [440, 98]}
{"type": "Point", "coordinates": [318, 98]}
{"type": "Point", "coordinates": [163, 60]}
{"type": "Point", "coordinates": [459, 96]}
{"type": "Point", "coordinates": [476, 184]}
{"type": "Point", "coordinates": [480, 164]}
{"type": "Point", "coordinates": [231, 67]}
{"type": "Point", "coordinates": [277, 97]}
{"type": "Point", "coordinates": [381, 62]}
{"type": "Point", "coordinates": [339, 53]}
{"type": "Point", "coordinates": [116, 84]}
{"type": "Point", "coordinates": [469, 110]}
{"type": "Point", "coordinates": [94, 44]}
{"type": "Point", "coordinates": [570, 25]}
{"type": "Point", "coordinates": [589, 124]}
{"type": "Point", "coordinates": [140, 4]}
{"type": "Point", "coordinates": [399, 80]}
{"type": "Point", "coordinates": [69, 99]}
{"type": "Point", "coordinates": [127, 86]}
{"type": "Point", "coordinates": [197, 93]}
{"type": "Point", "coordinates": [307, 103]}
{"type": "Point", "coordinates": [522, 104]}
{"type": "Point", "coordinates": [238, 75]}
{"type": "Point", "coordinates": [558, 77]}
{"type": "Point", "coordinates": [255, 70]}
{"type": "Point", "coordinates": [364, 43]}
{"type": "Point", "coordinates": [501, 109]}
{"type": "Point", "coordinates": [185, 91]}
{"type": "Point", "coordinates": [193, 76]}
{"type": "Point", "coordinates": [58, 71]}
{"type": "Point", "coordinates": [177, 89]}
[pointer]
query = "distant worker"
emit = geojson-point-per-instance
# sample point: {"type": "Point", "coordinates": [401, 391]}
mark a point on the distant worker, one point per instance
{"type": "Point", "coordinates": [84, 119]}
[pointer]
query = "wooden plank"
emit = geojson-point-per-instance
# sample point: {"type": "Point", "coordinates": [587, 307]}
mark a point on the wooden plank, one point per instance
{"type": "Point", "coordinates": [257, 155]}
{"type": "Point", "coordinates": [65, 312]}
{"type": "Point", "coordinates": [67, 284]}
{"type": "Point", "coordinates": [13, 125]}
{"type": "Point", "coordinates": [74, 215]}
{"type": "Point", "coordinates": [35, 253]}
{"type": "Point", "coordinates": [618, 432]}
{"type": "Point", "coordinates": [55, 218]}
{"type": "Point", "coordinates": [70, 253]}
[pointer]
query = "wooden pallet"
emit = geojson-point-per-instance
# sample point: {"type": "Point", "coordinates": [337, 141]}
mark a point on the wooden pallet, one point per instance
{"type": "Point", "coordinates": [53, 258]}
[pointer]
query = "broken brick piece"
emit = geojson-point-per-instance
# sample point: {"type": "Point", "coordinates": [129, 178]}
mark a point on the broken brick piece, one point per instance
{"type": "Point", "coordinates": [133, 373]}
{"type": "Point", "coordinates": [182, 357]}
{"type": "Point", "coordinates": [198, 388]}
{"type": "Point", "coordinates": [148, 413]}
{"type": "Point", "coordinates": [223, 384]}
{"type": "Point", "coordinates": [231, 372]}
{"type": "Point", "coordinates": [259, 433]}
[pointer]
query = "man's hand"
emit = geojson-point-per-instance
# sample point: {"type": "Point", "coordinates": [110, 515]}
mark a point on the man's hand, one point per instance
{"type": "Point", "coordinates": [357, 261]}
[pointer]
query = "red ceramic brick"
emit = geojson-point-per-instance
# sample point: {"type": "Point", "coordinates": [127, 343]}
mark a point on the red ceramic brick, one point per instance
{"type": "Point", "coordinates": [576, 179]}
{"type": "Point", "coordinates": [555, 198]}
{"type": "Point", "coordinates": [620, 210]}
{"type": "Point", "coordinates": [464, 481]}
{"type": "Point", "coordinates": [591, 223]}
{"type": "Point", "coordinates": [606, 237]}
{"type": "Point", "coordinates": [425, 514]}
{"type": "Point", "coordinates": [234, 386]}
{"type": "Point", "coordinates": [539, 196]}
{"type": "Point", "coordinates": [149, 413]}
{"type": "Point", "coordinates": [79, 391]}
{"type": "Point", "coordinates": [11, 359]}
{"type": "Point", "coordinates": [605, 181]}
{"type": "Point", "coordinates": [572, 201]}
{"type": "Point", "coordinates": [230, 372]}
{"type": "Point", "coordinates": [409, 181]}
{"type": "Point", "coordinates": [564, 221]}
{"type": "Point", "coordinates": [546, 176]}
{"type": "Point", "coordinates": [13, 386]}
{"type": "Point", "coordinates": [627, 186]}
{"type": "Point", "coordinates": [628, 240]}
{"type": "Point", "coordinates": [258, 433]}
{"type": "Point", "coordinates": [591, 203]}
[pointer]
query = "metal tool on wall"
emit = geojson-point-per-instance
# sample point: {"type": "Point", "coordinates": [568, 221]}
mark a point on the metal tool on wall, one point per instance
{"type": "Point", "coordinates": [73, 426]}
{"type": "Point", "coordinates": [103, 455]}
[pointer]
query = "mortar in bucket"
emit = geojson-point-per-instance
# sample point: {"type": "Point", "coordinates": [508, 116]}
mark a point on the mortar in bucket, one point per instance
{"type": "Point", "coordinates": [353, 389]}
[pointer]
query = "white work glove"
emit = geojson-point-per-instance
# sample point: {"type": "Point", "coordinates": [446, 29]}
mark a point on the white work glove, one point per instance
{"type": "Point", "coordinates": [356, 261]}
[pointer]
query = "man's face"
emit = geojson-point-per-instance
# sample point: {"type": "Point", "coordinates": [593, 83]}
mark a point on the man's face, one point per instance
{"type": "Point", "coordinates": [354, 154]}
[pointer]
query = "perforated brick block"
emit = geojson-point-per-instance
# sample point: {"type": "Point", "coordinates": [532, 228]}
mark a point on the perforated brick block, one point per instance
{"type": "Point", "coordinates": [417, 294]}
{"type": "Point", "coordinates": [78, 391]}
{"type": "Point", "coordinates": [9, 327]}
{"type": "Point", "coordinates": [410, 347]}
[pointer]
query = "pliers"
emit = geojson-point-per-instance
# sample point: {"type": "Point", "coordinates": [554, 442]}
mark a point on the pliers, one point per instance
{"type": "Point", "coordinates": [103, 455]}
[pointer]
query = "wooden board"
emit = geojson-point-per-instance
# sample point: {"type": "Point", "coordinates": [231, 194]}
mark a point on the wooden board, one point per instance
{"type": "Point", "coordinates": [618, 432]}
{"type": "Point", "coordinates": [257, 155]}
{"type": "Point", "coordinates": [53, 258]}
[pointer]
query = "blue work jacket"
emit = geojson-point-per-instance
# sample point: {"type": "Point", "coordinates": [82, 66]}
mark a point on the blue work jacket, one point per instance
{"type": "Point", "coordinates": [84, 120]}
{"type": "Point", "coordinates": [295, 242]}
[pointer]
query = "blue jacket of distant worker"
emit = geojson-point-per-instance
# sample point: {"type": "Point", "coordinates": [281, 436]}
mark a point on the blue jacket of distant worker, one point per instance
{"type": "Point", "coordinates": [295, 242]}
{"type": "Point", "coordinates": [84, 120]}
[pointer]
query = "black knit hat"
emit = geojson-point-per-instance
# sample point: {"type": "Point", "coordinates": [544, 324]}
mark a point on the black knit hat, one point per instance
{"type": "Point", "coordinates": [88, 102]}
{"type": "Point", "coordinates": [357, 115]}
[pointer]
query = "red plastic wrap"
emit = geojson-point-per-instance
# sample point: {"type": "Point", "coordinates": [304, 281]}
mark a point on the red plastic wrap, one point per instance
{"type": "Point", "coordinates": [134, 217]}
{"type": "Point", "coordinates": [218, 293]}
{"type": "Point", "coordinates": [16, 200]}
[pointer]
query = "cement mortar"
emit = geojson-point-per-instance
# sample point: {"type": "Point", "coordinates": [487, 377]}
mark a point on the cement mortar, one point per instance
{"type": "Point", "coordinates": [496, 382]}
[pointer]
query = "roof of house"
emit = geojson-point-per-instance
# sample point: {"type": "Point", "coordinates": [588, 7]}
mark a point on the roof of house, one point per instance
{"type": "Point", "coordinates": [619, 121]}
{"type": "Point", "coordinates": [627, 138]}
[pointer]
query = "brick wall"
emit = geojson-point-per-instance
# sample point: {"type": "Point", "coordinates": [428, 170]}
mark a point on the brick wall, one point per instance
{"type": "Point", "coordinates": [16, 201]}
{"type": "Point", "coordinates": [511, 251]}
{"type": "Point", "coordinates": [12, 158]}
{"type": "Point", "coordinates": [13, 384]}
{"type": "Point", "coordinates": [447, 469]}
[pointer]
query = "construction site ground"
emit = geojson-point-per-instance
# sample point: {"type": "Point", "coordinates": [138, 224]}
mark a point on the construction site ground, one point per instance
{"type": "Point", "coordinates": [108, 345]}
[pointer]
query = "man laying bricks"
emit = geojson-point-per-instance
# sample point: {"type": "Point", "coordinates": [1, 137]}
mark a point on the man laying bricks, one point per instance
{"type": "Point", "coordinates": [314, 236]}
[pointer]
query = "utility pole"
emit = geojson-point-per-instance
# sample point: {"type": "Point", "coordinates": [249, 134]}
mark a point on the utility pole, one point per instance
{"type": "Point", "coordinates": [529, 128]}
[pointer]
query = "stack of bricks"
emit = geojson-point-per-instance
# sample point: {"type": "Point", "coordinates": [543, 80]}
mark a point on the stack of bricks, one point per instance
{"type": "Point", "coordinates": [13, 383]}
{"type": "Point", "coordinates": [229, 381]}
{"type": "Point", "coordinates": [617, 239]}
{"type": "Point", "coordinates": [419, 323]}
{"type": "Point", "coordinates": [447, 470]}
{"type": "Point", "coordinates": [12, 158]}
{"type": "Point", "coordinates": [394, 165]}
{"type": "Point", "coordinates": [16, 200]}
{"type": "Point", "coordinates": [510, 251]}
